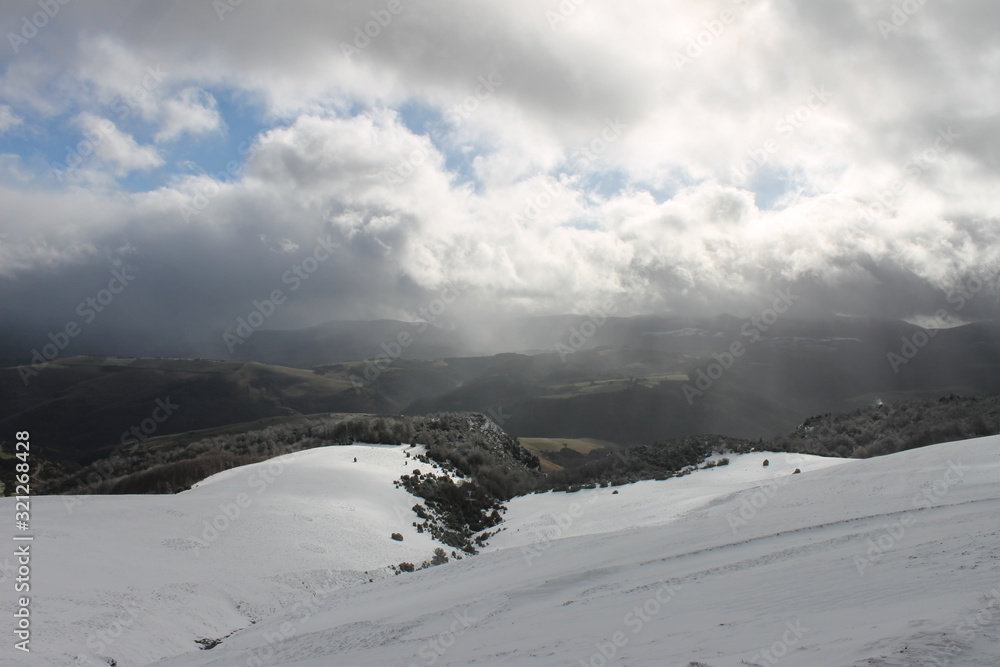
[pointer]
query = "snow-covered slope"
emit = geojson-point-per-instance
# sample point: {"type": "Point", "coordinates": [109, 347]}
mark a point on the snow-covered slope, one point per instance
{"type": "Point", "coordinates": [887, 561]}
{"type": "Point", "coordinates": [537, 519]}
{"type": "Point", "coordinates": [136, 578]}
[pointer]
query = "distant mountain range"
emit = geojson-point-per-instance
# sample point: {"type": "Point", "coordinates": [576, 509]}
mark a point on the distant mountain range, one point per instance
{"type": "Point", "coordinates": [622, 380]}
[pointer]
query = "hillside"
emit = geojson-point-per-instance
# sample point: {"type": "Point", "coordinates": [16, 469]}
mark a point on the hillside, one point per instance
{"type": "Point", "coordinates": [79, 408]}
{"type": "Point", "coordinates": [885, 561]}
{"type": "Point", "coordinates": [634, 381]}
{"type": "Point", "coordinates": [473, 445]}
{"type": "Point", "coordinates": [875, 430]}
{"type": "Point", "coordinates": [237, 548]}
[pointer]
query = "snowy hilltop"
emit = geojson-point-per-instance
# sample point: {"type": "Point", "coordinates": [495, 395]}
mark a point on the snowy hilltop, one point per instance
{"type": "Point", "coordinates": [886, 561]}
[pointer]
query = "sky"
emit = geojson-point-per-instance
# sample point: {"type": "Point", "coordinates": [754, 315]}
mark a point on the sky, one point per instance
{"type": "Point", "coordinates": [360, 158]}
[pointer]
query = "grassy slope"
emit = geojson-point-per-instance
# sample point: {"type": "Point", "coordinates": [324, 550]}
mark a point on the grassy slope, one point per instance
{"type": "Point", "coordinates": [547, 449]}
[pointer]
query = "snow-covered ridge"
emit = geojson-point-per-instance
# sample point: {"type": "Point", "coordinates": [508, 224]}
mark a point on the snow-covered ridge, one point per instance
{"type": "Point", "coordinates": [163, 570]}
{"type": "Point", "coordinates": [887, 561]}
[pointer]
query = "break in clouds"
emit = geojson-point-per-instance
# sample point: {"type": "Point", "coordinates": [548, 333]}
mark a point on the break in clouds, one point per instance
{"type": "Point", "coordinates": [540, 157]}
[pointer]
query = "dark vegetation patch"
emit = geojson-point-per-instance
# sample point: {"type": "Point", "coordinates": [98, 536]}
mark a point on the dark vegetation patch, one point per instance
{"type": "Point", "coordinates": [876, 430]}
{"type": "Point", "coordinates": [661, 460]}
{"type": "Point", "coordinates": [887, 428]}
{"type": "Point", "coordinates": [495, 469]}
{"type": "Point", "coordinates": [440, 558]}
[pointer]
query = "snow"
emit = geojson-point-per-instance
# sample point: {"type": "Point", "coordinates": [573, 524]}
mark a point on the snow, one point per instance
{"type": "Point", "coordinates": [541, 517]}
{"type": "Point", "coordinates": [237, 547]}
{"type": "Point", "coordinates": [886, 561]}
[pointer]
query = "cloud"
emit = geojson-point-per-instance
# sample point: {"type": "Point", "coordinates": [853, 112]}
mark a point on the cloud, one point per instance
{"type": "Point", "coordinates": [7, 119]}
{"type": "Point", "coordinates": [113, 149]}
{"type": "Point", "coordinates": [192, 111]}
{"type": "Point", "coordinates": [673, 156]}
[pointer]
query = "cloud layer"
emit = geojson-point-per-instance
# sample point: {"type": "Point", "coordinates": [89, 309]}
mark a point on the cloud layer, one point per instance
{"type": "Point", "coordinates": [673, 156]}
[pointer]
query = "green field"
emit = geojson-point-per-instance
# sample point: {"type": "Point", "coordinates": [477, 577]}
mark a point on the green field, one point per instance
{"type": "Point", "coordinates": [542, 446]}
{"type": "Point", "coordinates": [583, 387]}
{"type": "Point", "coordinates": [582, 445]}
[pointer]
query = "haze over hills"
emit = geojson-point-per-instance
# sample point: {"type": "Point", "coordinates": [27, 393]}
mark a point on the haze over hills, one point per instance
{"type": "Point", "coordinates": [624, 380]}
{"type": "Point", "coordinates": [353, 340]}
